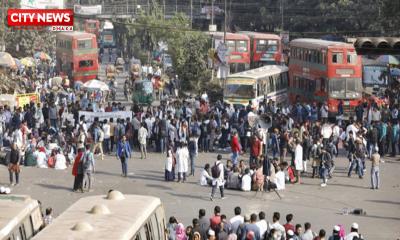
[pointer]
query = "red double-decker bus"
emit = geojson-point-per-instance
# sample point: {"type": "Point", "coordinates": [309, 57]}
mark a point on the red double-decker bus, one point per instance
{"type": "Point", "coordinates": [92, 26]}
{"type": "Point", "coordinates": [238, 50]}
{"type": "Point", "coordinates": [266, 49]}
{"type": "Point", "coordinates": [77, 55]}
{"type": "Point", "coordinates": [328, 71]}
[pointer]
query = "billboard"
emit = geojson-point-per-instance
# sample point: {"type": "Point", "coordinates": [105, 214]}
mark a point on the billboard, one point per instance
{"type": "Point", "coordinates": [375, 75]}
{"type": "Point", "coordinates": [87, 10]}
{"type": "Point", "coordinates": [42, 4]}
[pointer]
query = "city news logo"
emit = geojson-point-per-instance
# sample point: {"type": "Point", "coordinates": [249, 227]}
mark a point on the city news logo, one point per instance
{"type": "Point", "coordinates": [54, 19]}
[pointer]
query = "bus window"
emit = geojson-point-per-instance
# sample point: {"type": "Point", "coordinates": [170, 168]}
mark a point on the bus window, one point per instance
{"type": "Point", "coordinates": [312, 86]}
{"type": "Point", "coordinates": [337, 57]}
{"type": "Point", "coordinates": [83, 44]}
{"type": "Point", "coordinates": [137, 237]}
{"type": "Point", "coordinates": [351, 58]}
{"type": "Point", "coordinates": [271, 84]}
{"type": "Point", "coordinates": [149, 232]}
{"type": "Point", "coordinates": [231, 45]}
{"type": "Point", "coordinates": [85, 63]}
{"type": "Point", "coordinates": [324, 58]}
{"type": "Point", "coordinates": [241, 46]}
{"type": "Point", "coordinates": [155, 227]}
{"type": "Point", "coordinates": [28, 227]}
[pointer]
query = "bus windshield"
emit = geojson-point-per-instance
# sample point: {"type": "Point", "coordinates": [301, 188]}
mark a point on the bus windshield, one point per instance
{"type": "Point", "coordinates": [239, 90]}
{"type": "Point", "coordinates": [264, 45]}
{"type": "Point", "coordinates": [345, 88]}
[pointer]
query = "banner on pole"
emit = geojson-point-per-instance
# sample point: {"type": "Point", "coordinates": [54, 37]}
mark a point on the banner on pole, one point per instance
{"type": "Point", "coordinates": [23, 99]}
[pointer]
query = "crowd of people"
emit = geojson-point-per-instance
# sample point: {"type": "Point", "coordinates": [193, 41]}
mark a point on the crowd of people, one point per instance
{"type": "Point", "coordinates": [255, 226]}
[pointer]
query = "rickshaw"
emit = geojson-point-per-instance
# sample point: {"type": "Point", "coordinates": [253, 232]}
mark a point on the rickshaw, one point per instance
{"type": "Point", "coordinates": [119, 65]}
{"type": "Point", "coordinates": [142, 92]}
{"type": "Point", "coordinates": [135, 69]}
{"type": "Point", "coordinates": [110, 72]}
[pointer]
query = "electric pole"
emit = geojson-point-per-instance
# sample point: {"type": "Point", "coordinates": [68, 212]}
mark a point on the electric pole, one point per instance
{"type": "Point", "coordinates": [224, 21]}
{"type": "Point", "coordinates": [282, 15]}
{"type": "Point", "coordinates": [191, 13]}
{"type": "Point", "coordinates": [176, 7]}
{"type": "Point", "coordinates": [3, 24]}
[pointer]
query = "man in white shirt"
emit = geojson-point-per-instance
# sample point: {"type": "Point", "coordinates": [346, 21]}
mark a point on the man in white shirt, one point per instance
{"type": "Point", "coordinates": [262, 224]}
{"type": "Point", "coordinates": [107, 136]}
{"type": "Point", "coordinates": [237, 219]}
{"type": "Point", "coordinates": [142, 138]}
{"type": "Point", "coordinates": [353, 232]}
{"type": "Point", "coordinates": [277, 226]}
{"type": "Point", "coordinates": [246, 181]}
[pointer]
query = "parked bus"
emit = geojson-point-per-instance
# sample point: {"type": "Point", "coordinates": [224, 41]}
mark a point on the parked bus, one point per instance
{"type": "Point", "coordinates": [107, 35]}
{"type": "Point", "coordinates": [267, 82]}
{"type": "Point", "coordinates": [322, 71]}
{"type": "Point", "coordinates": [20, 217]}
{"type": "Point", "coordinates": [77, 55]}
{"type": "Point", "coordinates": [266, 49]}
{"type": "Point", "coordinates": [92, 26]}
{"type": "Point", "coordinates": [115, 216]}
{"type": "Point", "coordinates": [376, 76]}
{"type": "Point", "coordinates": [238, 50]}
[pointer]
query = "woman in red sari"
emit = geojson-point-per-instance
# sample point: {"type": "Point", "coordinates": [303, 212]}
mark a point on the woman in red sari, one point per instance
{"type": "Point", "coordinates": [77, 171]}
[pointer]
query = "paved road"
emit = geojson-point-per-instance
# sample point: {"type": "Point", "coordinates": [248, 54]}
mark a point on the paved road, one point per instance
{"type": "Point", "coordinates": [308, 202]}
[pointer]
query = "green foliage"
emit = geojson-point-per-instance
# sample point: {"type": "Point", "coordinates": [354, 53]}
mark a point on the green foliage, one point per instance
{"type": "Point", "coordinates": [187, 48]}
{"type": "Point", "coordinates": [314, 18]}
{"type": "Point", "coordinates": [29, 42]}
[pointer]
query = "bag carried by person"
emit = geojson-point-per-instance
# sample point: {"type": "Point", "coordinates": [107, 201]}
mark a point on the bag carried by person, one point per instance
{"type": "Point", "coordinates": [215, 171]}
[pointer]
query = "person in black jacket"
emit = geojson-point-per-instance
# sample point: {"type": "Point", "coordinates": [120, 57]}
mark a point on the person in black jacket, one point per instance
{"type": "Point", "coordinates": [13, 166]}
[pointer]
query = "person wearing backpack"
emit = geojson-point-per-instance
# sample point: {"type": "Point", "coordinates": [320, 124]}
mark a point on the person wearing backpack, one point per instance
{"type": "Point", "coordinates": [98, 138]}
{"type": "Point", "coordinates": [217, 173]}
{"type": "Point", "coordinates": [88, 168]}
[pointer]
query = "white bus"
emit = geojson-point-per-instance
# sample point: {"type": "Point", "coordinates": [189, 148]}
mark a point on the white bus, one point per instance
{"type": "Point", "coordinates": [115, 216]}
{"type": "Point", "coordinates": [269, 82]}
{"type": "Point", "coordinates": [20, 217]}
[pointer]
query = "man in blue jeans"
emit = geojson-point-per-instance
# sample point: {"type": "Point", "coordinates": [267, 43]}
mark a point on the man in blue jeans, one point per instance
{"type": "Point", "coordinates": [358, 159]}
{"type": "Point", "coordinates": [123, 153]}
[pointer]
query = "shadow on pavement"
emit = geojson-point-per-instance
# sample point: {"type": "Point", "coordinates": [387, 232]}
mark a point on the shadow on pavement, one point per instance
{"type": "Point", "coordinates": [384, 202]}
{"type": "Point", "coordinates": [162, 187]}
{"type": "Point", "coordinates": [49, 186]}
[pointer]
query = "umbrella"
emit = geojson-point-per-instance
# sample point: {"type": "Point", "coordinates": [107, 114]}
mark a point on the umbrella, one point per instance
{"type": "Point", "coordinates": [42, 56]}
{"type": "Point", "coordinates": [28, 62]}
{"type": "Point", "coordinates": [395, 72]}
{"type": "Point", "coordinates": [96, 84]}
{"type": "Point", "coordinates": [56, 81]}
{"type": "Point", "coordinates": [388, 59]}
{"type": "Point", "coordinates": [6, 60]}
{"type": "Point", "coordinates": [18, 63]}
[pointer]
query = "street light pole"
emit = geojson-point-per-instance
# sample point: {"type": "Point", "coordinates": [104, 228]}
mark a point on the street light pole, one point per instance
{"type": "Point", "coordinates": [3, 24]}
{"type": "Point", "coordinates": [282, 15]}
{"type": "Point", "coordinates": [191, 13]}
{"type": "Point", "coordinates": [212, 40]}
{"type": "Point", "coordinates": [224, 21]}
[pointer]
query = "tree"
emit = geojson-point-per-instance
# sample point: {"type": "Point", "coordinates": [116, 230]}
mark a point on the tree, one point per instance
{"type": "Point", "coordinates": [188, 48]}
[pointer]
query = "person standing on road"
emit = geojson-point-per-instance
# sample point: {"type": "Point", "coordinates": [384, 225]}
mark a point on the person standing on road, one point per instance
{"type": "Point", "coordinates": [375, 158]}
{"type": "Point", "coordinates": [236, 148]}
{"type": "Point", "coordinates": [182, 161]}
{"type": "Point", "coordinates": [142, 138]}
{"type": "Point", "coordinates": [123, 153]}
{"type": "Point", "coordinates": [107, 136]}
{"type": "Point", "coordinates": [88, 168]}
{"type": "Point", "coordinates": [298, 160]}
{"type": "Point", "coordinates": [13, 166]}
{"type": "Point", "coordinates": [217, 173]}
{"type": "Point", "coordinates": [77, 171]}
